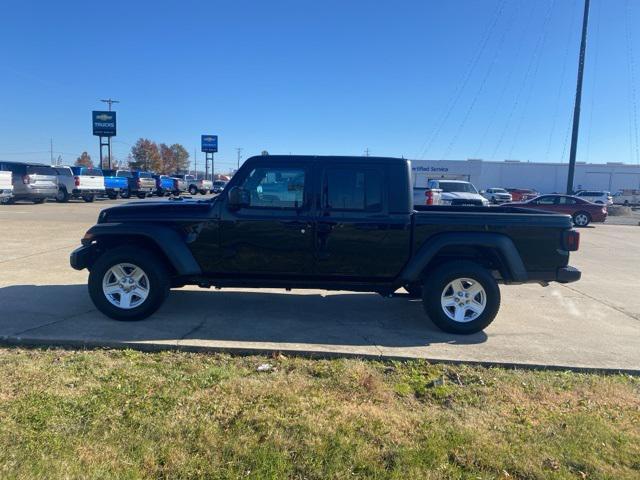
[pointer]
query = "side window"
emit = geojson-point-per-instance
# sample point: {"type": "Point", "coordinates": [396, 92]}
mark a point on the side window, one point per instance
{"type": "Point", "coordinates": [566, 201]}
{"type": "Point", "coordinates": [546, 201]}
{"type": "Point", "coordinates": [275, 187]}
{"type": "Point", "coordinates": [353, 189]}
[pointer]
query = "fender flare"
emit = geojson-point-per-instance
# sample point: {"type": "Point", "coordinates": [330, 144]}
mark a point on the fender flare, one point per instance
{"type": "Point", "coordinates": [165, 238]}
{"type": "Point", "coordinates": [501, 243]}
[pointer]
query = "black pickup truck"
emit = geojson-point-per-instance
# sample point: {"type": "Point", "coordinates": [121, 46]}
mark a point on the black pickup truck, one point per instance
{"type": "Point", "coordinates": [335, 223]}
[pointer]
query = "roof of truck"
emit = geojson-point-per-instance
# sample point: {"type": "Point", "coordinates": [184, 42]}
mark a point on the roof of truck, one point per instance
{"type": "Point", "coordinates": [328, 159]}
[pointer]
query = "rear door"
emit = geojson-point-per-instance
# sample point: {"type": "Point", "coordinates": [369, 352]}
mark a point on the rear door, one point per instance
{"type": "Point", "coordinates": [356, 236]}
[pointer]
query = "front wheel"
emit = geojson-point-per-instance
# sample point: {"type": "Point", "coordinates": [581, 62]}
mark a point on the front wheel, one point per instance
{"type": "Point", "coordinates": [62, 196]}
{"type": "Point", "coordinates": [193, 190]}
{"type": "Point", "coordinates": [461, 297]}
{"type": "Point", "coordinates": [128, 283]}
{"type": "Point", "coordinates": [581, 219]}
{"type": "Point", "coordinates": [142, 195]}
{"type": "Point", "coordinates": [125, 194]}
{"type": "Point", "coordinates": [88, 198]}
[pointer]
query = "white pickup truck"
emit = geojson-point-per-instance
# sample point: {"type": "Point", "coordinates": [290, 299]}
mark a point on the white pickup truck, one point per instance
{"type": "Point", "coordinates": [79, 182]}
{"type": "Point", "coordinates": [6, 186]}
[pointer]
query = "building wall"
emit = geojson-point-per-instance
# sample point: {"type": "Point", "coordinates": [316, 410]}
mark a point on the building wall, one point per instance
{"type": "Point", "coordinates": [544, 177]}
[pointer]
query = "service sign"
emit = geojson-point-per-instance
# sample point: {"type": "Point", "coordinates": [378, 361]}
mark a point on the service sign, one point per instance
{"type": "Point", "coordinates": [104, 124]}
{"type": "Point", "coordinates": [209, 143]}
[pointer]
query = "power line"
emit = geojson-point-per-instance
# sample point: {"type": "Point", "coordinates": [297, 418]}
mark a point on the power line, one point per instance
{"type": "Point", "coordinates": [426, 146]}
{"type": "Point", "coordinates": [110, 102]}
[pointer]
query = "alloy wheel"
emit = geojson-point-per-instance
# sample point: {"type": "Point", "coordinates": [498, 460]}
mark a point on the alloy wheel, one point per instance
{"type": "Point", "coordinates": [125, 286]}
{"type": "Point", "coordinates": [463, 300]}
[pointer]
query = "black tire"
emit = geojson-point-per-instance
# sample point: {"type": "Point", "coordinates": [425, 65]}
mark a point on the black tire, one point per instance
{"type": "Point", "coordinates": [62, 196]}
{"type": "Point", "coordinates": [434, 287]}
{"type": "Point", "coordinates": [88, 198]}
{"type": "Point", "coordinates": [154, 267]}
{"type": "Point", "coordinates": [38, 201]}
{"type": "Point", "coordinates": [581, 219]}
{"type": "Point", "coordinates": [142, 195]}
{"type": "Point", "coordinates": [125, 194]}
{"type": "Point", "coordinates": [7, 201]}
{"type": "Point", "coordinates": [112, 195]}
{"type": "Point", "coordinates": [193, 190]}
{"type": "Point", "coordinates": [203, 192]}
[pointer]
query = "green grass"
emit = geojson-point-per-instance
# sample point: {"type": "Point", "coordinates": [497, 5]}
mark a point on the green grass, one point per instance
{"type": "Point", "coordinates": [126, 414]}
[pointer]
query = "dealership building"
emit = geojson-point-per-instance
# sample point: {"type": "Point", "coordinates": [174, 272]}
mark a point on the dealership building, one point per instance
{"type": "Point", "coordinates": [543, 177]}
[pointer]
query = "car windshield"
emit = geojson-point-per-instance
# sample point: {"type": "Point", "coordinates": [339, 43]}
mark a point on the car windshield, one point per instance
{"type": "Point", "coordinates": [123, 174]}
{"type": "Point", "coordinates": [92, 171]}
{"type": "Point", "coordinates": [64, 172]}
{"type": "Point", "coordinates": [464, 187]}
{"type": "Point", "coordinates": [144, 175]}
{"type": "Point", "coordinates": [499, 190]}
{"type": "Point", "coordinates": [40, 170]}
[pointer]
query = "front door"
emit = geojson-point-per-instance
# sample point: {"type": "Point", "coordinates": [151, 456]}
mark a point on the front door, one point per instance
{"type": "Point", "coordinates": [274, 233]}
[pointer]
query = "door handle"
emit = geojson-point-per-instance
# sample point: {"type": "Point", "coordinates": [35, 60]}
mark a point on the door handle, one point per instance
{"type": "Point", "coordinates": [297, 225]}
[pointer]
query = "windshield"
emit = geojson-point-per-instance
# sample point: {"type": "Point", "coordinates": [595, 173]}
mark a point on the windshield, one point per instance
{"type": "Point", "coordinates": [144, 175]}
{"type": "Point", "coordinates": [64, 172]}
{"type": "Point", "coordinates": [449, 187]}
{"type": "Point", "coordinates": [499, 190]}
{"type": "Point", "coordinates": [123, 174]}
{"type": "Point", "coordinates": [92, 171]}
{"type": "Point", "coordinates": [40, 170]}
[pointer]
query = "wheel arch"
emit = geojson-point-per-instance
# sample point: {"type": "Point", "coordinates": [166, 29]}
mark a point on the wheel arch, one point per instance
{"type": "Point", "coordinates": [491, 250]}
{"type": "Point", "coordinates": [162, 240]}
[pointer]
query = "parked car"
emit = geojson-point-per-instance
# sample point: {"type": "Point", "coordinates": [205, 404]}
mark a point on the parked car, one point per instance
{"type": "Point", "coordinates": [426, 196]}
{"type": "Point", "coordinates": [582, 211]}
{"type": "Point", "coordinates": [115, 185]}
{"type": "Point", "coordinates": [166, 185]}
{"type": "Point", "coordinates": [32, 182]}
{"type": "Point", "coordinates": [6, 187]}
{"type": "Point", "coordinates": [341, 223]}
{"type": "Point", "coordinates": [182, 184]}
{"type": "Point", "coordinates": [521, 194]}
{"type": "Point", "coordinates": [496, 195]}
{"type": "Point", "coordinates": [596, 196]}
{"type": "Point", "coordinates": [628, 196]}
{"type": "Point", "coordinates": [458, 192]}
{"type": "Point", "coordinates": [78, 182]}
{"type": "Point", "coordinates": [141, 184]}
{"type": "Point", "coordinates": [196, 185]}
{"type": "Point", "coordinates": [218, 186]}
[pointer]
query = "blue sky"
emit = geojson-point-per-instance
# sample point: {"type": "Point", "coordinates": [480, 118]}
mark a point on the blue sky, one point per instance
{"type": "Point", "coordinates": [491, 79]}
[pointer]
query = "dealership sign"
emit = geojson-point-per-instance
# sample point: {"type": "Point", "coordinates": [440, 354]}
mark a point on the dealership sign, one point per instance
{"type": "Point", "coordinates": [104, 123]}
{"type": "Point", "coordinates": [209, 143]}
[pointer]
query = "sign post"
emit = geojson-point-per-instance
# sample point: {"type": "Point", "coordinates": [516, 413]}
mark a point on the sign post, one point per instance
{"type": "Point", "coordinates": [104, 125]}
{"type": "Point", "coordinates": [209, 146]}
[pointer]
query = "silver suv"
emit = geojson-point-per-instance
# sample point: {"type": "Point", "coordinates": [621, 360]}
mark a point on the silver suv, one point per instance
{"type": "Point", "coordinates": [31, 181]}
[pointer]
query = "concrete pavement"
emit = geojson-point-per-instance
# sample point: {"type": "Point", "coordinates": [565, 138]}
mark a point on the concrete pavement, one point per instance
{"type": "Point", "coordinates": [594, 323]}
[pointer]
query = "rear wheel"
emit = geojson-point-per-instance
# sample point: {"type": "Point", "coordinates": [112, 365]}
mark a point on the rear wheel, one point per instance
{"type": "Point", "coordinates": [461, 297]}
{"type": "Point", "coordinates": [62, 196]}
{"type": "Point", "coordinates": [112, 195]}
{"type": "Point", "coordinates": [125, 194]}
{"type": "Point", "coordinates": [193, 190]}
{"type": "Point", "coordinates": [581, 219]}
{"type": "Point", "coordinates": [128, 283]}
{"type": "Point", "coordinates": [88, 198]}
{"type": "Point", "coordinates": [142, 195]}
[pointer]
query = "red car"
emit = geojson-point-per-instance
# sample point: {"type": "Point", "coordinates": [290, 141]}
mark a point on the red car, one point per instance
{"type": "Point", "coordinates": [582, 211]}
{"type": "Point", "coordinates": [521, 194]}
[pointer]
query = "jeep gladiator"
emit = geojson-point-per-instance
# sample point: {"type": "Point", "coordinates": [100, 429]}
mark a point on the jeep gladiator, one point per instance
{"type": "Point", "coordinates": [335, 223]}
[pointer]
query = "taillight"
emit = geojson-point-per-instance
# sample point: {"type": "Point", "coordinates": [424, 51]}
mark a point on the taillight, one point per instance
{"type": "Point", "coordinates": [429, 195]}
{"type": "Point", "coordinates": [26, 179]}
{"type": "Point", "coordinates": [571, 240]}
{"type": "Point", "coordinates": [604, 210]}
{"type": "Point", "coordinates": [76, 181]}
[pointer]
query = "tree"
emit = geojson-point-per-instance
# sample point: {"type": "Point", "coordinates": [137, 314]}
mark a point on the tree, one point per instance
{"type": "Point", "coordinates": [145, 155]}
{"type": "Point", "coordinates": [167, 160]}
{"type": "Point", "coordinates": [84, 160]}
{"type": "Point", "coordinates": [180, 158]}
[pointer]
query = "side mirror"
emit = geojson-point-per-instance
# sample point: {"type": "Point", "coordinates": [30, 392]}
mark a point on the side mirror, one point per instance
{"type": "Point", "coordinates": [238, 198]}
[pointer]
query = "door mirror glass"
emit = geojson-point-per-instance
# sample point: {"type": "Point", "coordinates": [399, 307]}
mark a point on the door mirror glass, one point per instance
{"type": "Point", "coordinates": [238, 198]}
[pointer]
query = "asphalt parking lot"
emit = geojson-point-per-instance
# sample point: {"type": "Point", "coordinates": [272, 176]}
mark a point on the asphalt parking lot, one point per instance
{"type": "Point", "coordinates": [594, 323]}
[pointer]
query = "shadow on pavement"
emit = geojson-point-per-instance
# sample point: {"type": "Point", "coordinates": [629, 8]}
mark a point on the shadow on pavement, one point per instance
{"type": "Point", "coordinates": [65, 312]}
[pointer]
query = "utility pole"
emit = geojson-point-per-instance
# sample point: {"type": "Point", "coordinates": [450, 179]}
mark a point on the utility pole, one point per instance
{"type": "Point", "coordinates": [51, 150]}
{"type": "Point", "coordinates": [195, 162]}
{"type": "Point", "coordinates": [576, 108]}
{"type": "Point", "coordinates": [239, 157]}
{"type": "Point", "coordinates": [110, 102]}
{"type": "Point", "coordinates": [366, 152]}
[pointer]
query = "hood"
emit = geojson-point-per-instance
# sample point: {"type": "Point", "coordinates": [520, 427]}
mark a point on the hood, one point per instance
{"type": "Point", "coordinates": [167, 210]}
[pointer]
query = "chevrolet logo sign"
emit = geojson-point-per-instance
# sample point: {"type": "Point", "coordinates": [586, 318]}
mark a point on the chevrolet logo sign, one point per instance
{"type": "Point", "coordinates": [208, 139]}
{"type": "Point", "coordinates": [103, 117]}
